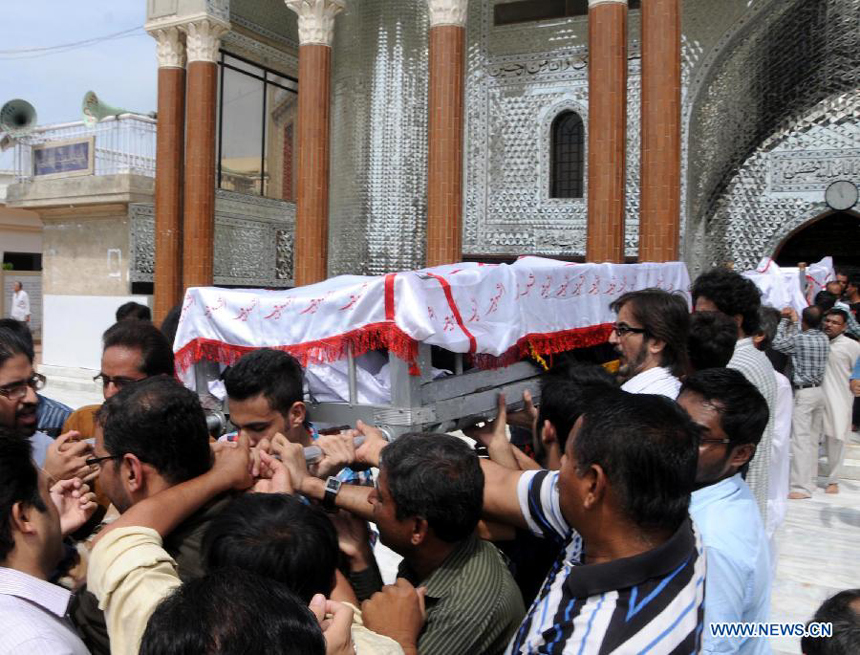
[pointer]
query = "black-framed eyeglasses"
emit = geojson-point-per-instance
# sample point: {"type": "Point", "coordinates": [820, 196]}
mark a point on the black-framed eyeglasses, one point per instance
{"type": "Point", "coordinates": [92, 461]}
{"type": "Point", "coordinates": [702, 442]}
{"type": "Point", "coordinates": [119, 382]}
{"type": "Point", "coordinates": [622, 329]}
{"type": "Point", "coordinates": [18, 390]}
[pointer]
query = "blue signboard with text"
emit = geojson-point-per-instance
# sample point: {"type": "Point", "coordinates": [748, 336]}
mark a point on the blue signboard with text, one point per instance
{"type": "Point", "coordinates": [69, 157]}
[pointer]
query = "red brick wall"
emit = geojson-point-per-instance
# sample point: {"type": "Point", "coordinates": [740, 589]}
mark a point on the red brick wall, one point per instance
{"type": "Point", "coordinates": [607, 133]}
{"type": "Point", "coordinates": [660, 204]}
{"type": "Point", "coordinates": [313, 164]}
{"type": "Point", "coordinates": [445, 134]}
{"type": "Point", "coordinates": [169, 154]}
{"type": "Point", "coordinates": [199, 224]}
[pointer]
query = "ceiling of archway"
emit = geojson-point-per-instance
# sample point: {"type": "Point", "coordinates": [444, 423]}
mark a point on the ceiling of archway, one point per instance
{"type": "Point", "coordinates": [793, 56]}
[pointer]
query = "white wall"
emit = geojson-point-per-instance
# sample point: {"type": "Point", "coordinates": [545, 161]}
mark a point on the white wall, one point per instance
{"type": "Point", "coordinates": [73, 328]}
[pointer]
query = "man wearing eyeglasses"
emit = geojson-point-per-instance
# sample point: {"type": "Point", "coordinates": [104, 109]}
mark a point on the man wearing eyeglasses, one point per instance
{"type": "Point", "coordinates": [132, 351]}
{"type": "Point", "coordinates": [650, 337]}
{"type": "Point", "coordinates": [18, 405]}
{"type": "Point", "coordinates": [732, 415]}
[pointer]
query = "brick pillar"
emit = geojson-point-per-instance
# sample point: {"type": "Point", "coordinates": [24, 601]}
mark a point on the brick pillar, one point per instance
{"type": "Point", "coordinates": [316, 30]}
{"type": "Point", "coordinates": [607, 128]}
{"type": "Point", "coordinates": [169, 154]}
{"type": "Point", "coordinates": [445, 131]}
{"type": "Point", "coordinates": [203, 39]}
{"type": "Point", "coordinates": [660, 203]}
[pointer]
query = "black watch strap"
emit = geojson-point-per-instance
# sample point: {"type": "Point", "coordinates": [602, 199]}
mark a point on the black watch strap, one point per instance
{"type": "Point", "coordinates": [332, 486]}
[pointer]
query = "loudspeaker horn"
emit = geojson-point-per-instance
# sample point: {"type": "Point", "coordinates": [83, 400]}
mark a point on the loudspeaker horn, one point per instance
{"type": "Point", "coordinates": [94, 110]}
{"type": "Point", "coordinates": [17, 118]}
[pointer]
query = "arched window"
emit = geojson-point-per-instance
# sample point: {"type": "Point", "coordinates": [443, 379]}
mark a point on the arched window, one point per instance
{"type": "Point", "coordinates": [568, 156]}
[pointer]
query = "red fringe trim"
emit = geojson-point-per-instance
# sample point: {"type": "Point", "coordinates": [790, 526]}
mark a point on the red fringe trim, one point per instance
{"type": "Point", "coordinates": [388, 336]}
{"type": "Point", "coordinates": [369, 337]}
{"type": "Point", "coordinates": [547, 344]}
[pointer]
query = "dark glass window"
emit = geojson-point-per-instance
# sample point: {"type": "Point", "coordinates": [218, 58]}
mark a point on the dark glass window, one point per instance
{"type": "Point", "coordinates": [568, 156]}
{"type": "Point", "coordinates": [257, 110]}
{"type": "Point", "coordinates": [526, 11]}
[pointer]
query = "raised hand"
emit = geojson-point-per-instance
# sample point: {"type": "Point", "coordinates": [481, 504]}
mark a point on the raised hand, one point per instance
{"type": "Point", "coordinates": [67, 458]}
{"type": "Point", "coordinates": [397, 612]}
{"type": "Point", "coordinates": [335, 619]}
{"type": "Point", "coordinates": [374, 442]}
{"type": "Point", "coordinates": [338, 451]}
{"type": "Point", "coordinates": [75, 504]}
{"type": "Point", "coordinates": [273, 477]}
{"type": "Point", "coordinates": [293, 457]}
{"type": "Point", "coordinates": [527, 416]}
{"type": "Point", "coordinates": [233, 463]}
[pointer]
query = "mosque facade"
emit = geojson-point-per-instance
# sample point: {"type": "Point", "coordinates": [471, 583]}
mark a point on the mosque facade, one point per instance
{"type": "Point", "coordinates": [767, 116]}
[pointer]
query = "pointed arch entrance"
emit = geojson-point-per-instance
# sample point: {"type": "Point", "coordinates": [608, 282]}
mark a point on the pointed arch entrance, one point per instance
{"type": "Point", "coordinates": [835, 233]}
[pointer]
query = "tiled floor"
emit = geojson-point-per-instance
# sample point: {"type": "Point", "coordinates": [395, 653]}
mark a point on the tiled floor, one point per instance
{"type": "Point", "coordinates": [818, 555]}
{"type": "Point", "coordinates": [818, 547]}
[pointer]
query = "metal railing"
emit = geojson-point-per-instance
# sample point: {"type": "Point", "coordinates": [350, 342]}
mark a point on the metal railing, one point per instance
{"type": "Point", "coordinates": [123, 144]}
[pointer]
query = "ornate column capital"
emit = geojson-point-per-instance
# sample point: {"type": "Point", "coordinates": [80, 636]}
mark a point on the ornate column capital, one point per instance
{"type": "Point", "coordinates": [170, 46]}
{"type": "Point", "coordinates": [316, 19]}
{"type": "Point", "coordinates": [594, 3]}
{"type": "Point", "coordinates": [204, 38]}
{"type": "Point", "coordinates": [447, 12]}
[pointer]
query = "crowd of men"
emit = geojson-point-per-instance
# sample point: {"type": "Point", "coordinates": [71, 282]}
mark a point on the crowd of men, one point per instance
{"type": "Point", "coordinates": [641, 514]}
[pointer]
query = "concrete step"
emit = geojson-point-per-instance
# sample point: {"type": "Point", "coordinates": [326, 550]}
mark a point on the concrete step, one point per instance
{"type": "Point", "coordinates": [70, 379]}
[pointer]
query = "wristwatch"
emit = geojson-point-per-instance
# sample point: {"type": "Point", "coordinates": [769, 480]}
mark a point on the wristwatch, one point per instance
{"type": "Point", "coordinates": [332, 486]}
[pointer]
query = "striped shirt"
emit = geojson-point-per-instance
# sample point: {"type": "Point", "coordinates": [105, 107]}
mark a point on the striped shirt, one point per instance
{"type": "Point", "coordinates": [658, 381]}
{"type": "Point", "coordinates": [473, 604]}
{"type": "Point", "coordinates": [649, 603]}
{"type": "Point", "coordinates": [758, 371]}
{"type": "Point", "coordinates": [808, 350]}
{"type": "Point", "coordinates": [51, 415]}
{"type": "Point", "coordinates": [33, 617]}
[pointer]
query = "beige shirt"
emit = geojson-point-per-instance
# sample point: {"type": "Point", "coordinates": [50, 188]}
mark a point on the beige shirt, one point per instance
{"type": "Point", "coordinates": [130, 573]}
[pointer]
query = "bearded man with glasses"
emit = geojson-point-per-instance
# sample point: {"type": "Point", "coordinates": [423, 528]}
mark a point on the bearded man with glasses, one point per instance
{"type": "Point", "coordinates": [650, 337]}
{"type": "Point", "coordinates": [132, 351]}
{"type": "Point", "coordinates": [18, 403]}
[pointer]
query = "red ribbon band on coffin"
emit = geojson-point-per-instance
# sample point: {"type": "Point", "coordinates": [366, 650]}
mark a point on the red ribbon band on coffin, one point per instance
{"type": "Point", "coordinates": [388, 336]}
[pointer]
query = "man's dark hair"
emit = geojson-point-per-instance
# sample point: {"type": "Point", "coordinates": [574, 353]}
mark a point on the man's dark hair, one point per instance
{"type": "Point", "coordinates": [743, 410]}
{"type": "Point", "coordinates": [20, 484]}
{"type": "Point", "coordinates": [9, 326]}
{"type": "Point", "coordinates": [648, 448]}
{"type": "Point", "coordinates": [845, 619]}
{"type": "Point", "coordinates": [811, 317]}
{"type": "Point", "coordinates": [162, 423]}
{"type": "Point", "coordinates": [664, 316]}
{"type": "Point", "coordinates": [275, 374]}
{"type": "Point", "coordinates": [277, 536]}
{"type": "Point", "coordinates": [170, 324]}
{"type": "Point", "coordinates": [156, 353]}
{"type": "Point", "coordinates": [732, 293]}
{"type": "Point", "coordinates": [841, 313]}
{"type": "Point", "coordinates": [232, 612]}
{"type": "Point", "coordinates": [825, 301]}
{"type": "Point", "coordinates": [563, 394]}
{"type": "Point", "coordinates": [854, 279]}
{"type": "Point", "coordinates": [438, 478]}
{"type": "Point", "coordinates": [769, 318]}
{"type": "Point", "coordinates": [712, 339]}
{"type": "Point", "coordinates": [133, 311]}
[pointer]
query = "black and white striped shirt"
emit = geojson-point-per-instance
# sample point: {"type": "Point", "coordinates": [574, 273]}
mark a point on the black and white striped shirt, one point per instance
{"type": "Point", "coordinates": [651, 603]}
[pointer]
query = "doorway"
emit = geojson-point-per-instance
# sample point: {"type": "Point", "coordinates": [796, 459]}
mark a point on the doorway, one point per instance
{"type": "Point", "coordinates": [836, 234]}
